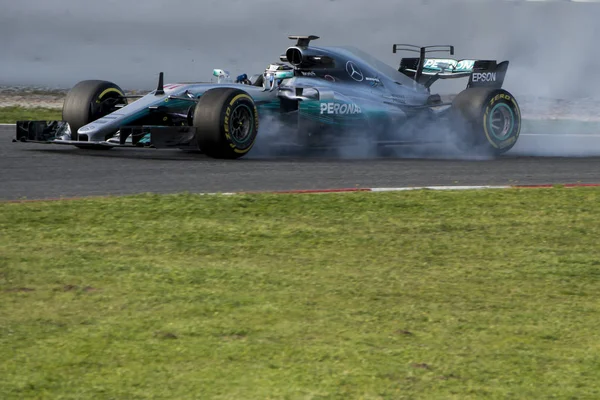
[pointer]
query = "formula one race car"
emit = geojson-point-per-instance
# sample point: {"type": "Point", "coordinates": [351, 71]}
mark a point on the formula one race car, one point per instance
{"type": "Point", "coordinates": [318, 95]}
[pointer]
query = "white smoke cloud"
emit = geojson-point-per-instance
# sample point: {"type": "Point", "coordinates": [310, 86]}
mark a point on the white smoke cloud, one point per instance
{"type": "Point", "coordinates": [551, 46]}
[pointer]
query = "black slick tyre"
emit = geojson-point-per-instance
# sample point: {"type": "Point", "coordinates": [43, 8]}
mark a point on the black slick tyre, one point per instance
{"type": "Point", "coordinates": [226, 122]}
{"type": "Point", "coordinates": [88, 101]}
{"type": "Point", "coordinates": [486, 121]}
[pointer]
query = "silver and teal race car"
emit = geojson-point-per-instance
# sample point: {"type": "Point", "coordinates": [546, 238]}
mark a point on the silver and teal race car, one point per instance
{"type": "Point", "coordinates": [314, 96]}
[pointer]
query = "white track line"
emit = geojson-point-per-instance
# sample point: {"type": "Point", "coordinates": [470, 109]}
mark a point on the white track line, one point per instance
{"type": "Point", "coordinates": [402, 189]}
{"type": "Point", "coordinates": [331, 191]}
{"type": "Point", "coordinates": [562, 134]}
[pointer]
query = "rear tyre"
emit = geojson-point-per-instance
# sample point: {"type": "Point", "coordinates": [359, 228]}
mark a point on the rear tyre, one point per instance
{"type": "Point", "coordinates": [486, 121]}
{"type": "Point", "coordinates": [226, 122]}
{"type": "Point", "coordinates": [88, 101]}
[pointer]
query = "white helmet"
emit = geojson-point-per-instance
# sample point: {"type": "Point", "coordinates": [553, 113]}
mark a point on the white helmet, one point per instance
{"type": "Point", "coordinates": [275, 73]}
{"type": "Point", "coordinates": [280, 71]}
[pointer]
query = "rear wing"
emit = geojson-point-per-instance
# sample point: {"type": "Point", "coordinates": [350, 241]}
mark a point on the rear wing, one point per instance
{"type": "Point", "coordinates": [481, 73]}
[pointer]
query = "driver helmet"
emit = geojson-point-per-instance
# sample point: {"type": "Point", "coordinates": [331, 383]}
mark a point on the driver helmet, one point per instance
{"type": "Point", "coordinates": [278, 72]}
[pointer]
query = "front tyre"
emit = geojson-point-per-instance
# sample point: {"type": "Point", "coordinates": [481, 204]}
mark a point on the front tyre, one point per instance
{"type": "Point", "coordinates": [88, 101]}
{"type": "Point", "coordinates": [226, 122]}
{"type": "Point", "coordinates": [487, 120]}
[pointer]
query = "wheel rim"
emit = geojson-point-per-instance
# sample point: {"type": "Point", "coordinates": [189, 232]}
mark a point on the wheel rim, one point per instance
{"type": "Point", "coordinates": [106, 106]}
{"type": "Point", "coordinates": [501, 122]}
{"type": "Point", "coordinates": [241, 124]}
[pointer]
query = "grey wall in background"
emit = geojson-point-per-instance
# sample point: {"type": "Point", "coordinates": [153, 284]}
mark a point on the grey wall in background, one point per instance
{"type": "Point", "coordinates": [553, 47]}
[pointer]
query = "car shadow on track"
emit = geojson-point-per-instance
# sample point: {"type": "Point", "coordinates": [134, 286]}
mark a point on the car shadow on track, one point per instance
{"type": "Point", "coordinates": [179, 155]}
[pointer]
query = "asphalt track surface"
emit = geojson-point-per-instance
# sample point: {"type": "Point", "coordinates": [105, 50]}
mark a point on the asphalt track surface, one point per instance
{"type": "Point", "coordinates": [37, 171]}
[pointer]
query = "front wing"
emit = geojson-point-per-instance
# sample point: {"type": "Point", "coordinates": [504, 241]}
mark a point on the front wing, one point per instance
{"type": "Point", "coordinates": [58, 132]}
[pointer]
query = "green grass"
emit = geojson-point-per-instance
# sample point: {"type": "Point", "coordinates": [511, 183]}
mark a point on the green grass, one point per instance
{"type": "Point", "coordinates": [10, 115]}
{"type": "Point", "coordinates": [417, 295]}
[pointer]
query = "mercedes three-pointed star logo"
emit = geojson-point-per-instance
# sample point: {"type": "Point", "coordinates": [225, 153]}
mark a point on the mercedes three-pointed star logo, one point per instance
{"type": "Point", "coordinates": [354, 72]}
